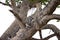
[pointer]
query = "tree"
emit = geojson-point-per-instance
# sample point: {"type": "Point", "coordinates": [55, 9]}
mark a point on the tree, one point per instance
{"type": "Point", "coordinates": [23, 28]}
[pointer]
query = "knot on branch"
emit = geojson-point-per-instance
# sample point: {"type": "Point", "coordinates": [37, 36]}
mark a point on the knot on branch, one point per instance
{"type": "Point", "coordinates": [29, 20]}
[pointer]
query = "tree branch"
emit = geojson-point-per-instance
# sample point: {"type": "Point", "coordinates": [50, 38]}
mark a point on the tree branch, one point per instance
{"type": "Point", "coordinates": [27, 34]}
{"type": "Point", "coordinates": [22, 11]}
{"type": "Point", "coordinates": [49, 37]}
{"type": "Point", "coordinates": [11, 31]}
{"type": "Point", "coordinates": [20, 21]}
{"type": "Point", "coordinates": [24, 34]}
{"type": "Point", "coordinates": [47, 18]}
{"type": "Point", "coordinates": [40, 32]}
{"type": "Point", "coordinates": [5, 4]}
{"type": "Point", "coordinates": [50, 7]}
{"type": "Point", "coordinates": [33, 39]}
{"type": "Point", "coordinates": [47, 10]}
{"type": "Point", "coordinates": [15, 25]}
{"type": "Point", "coordinates": [52, 27]}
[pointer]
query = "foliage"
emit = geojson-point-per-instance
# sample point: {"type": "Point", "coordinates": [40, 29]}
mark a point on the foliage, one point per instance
{"type": "Point", "coordinates": [42, 1]}
{"type": "Point", "coordinates": [31, 1]}
{"type": "Point", "coordinates": [7, 1]}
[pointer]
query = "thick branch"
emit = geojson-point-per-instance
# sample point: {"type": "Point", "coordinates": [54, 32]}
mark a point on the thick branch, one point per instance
{"type": "Point", "coordinates": [15, 25]}
{"type": "Point", "coordinates": [24, 34]}
{"type": "Point", "coordinates": [47, 10]}
{"type": "Point", "coordinates": [50, 7]}
{"type": "Point", "coordinates": [28, 33]}
{"type": "Point", "coordinates": [22, 11]}
{"type": "Point", "coordinates": [33, 39]}
{"type": "Point", "coordinates": [11, 31]}
{"type": "Point", "coordinates": [12, 28]}
{"type": "Point", "coordinates": [18, 17]}
{"type": "Point", "coordinates": [47, 18]}
{"type": "Point", "coordinates": [58, 36]}
{"type": "Point", "coordinates": [52, 27]}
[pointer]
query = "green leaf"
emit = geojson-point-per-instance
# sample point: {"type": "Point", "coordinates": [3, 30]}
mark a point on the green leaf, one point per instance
{"type": "Point", "coordinates": [7, 2]}
{"type": "Point", "coordinates": [44, 1]}
{"type": "Point", "coordinates": [17, 0]}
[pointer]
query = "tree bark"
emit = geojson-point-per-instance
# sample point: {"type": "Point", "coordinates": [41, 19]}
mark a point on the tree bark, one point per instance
{"type": "Point", "coordinates": [11, 31]}
{"type": "Point", "coordinates": [38, 21]}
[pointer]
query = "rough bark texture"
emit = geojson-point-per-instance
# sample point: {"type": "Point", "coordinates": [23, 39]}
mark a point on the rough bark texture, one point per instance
{"type": "Point", "coordinates": [11, 31]}
{"type": "Point", "coordinates": [23, 28]}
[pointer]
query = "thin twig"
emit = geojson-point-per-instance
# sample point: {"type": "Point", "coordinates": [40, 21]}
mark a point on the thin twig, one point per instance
{"type": "Point", "coordinates": [49, 36]}
{"type": "Point", "coordinates": [5, 4]}
{"type": "Point", "coordinates": [40, 34]}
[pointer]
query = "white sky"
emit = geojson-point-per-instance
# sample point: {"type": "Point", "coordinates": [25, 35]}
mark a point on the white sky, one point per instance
{"type": "Point", "coordinates": [6, 18]}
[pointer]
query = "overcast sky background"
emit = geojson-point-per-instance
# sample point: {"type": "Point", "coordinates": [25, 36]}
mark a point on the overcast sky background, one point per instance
{"type": "Point", "coordinates": [6, 19]}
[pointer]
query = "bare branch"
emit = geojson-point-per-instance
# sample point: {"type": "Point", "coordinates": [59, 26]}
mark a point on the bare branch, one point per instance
{"type": "Point", "coordinates": [52, 27]}
{"type": "Point", "coordinates": [11, 31]}
{"type": "Point", "coordinates": [22, 11]}
{"type": "Point", "coordinates": [24, 34]}
{"type": "Point", "coordinates": [49, 36]}
{"type": "Point", "coordinates": [33, 39]}
{"type": "Point", "coordinates": [58, 36]}
{"type": "Point", "coordinates": [18, 17]}
{"type": "Point", "coordinates": [49, 9]}
{"type": "Point", "coordinates": [47, 18]}
{"type": "Point", "coordinates": [5, 4]}
{"type": "Point", "coordinates": [12, 28]}
{"type": "Point", "coordinates": [40, 32]}
{"type": "Point", "coordinates": [51, 6]}
{"type": "Point", "coordinates": [15, 14]}
{"type": "Point", "coordinates": [13, 3]}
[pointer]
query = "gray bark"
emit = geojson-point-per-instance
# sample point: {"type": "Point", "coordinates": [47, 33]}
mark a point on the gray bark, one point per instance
{"type": "Point", "coordinates": [32, 23]}
{"type": "Point", "coordinates": [11, 31]}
